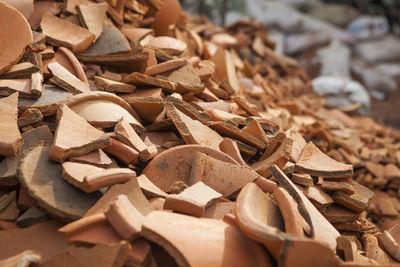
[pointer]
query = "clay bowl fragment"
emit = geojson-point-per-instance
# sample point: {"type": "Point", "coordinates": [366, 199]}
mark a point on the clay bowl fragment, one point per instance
{"type": "Point", "coordinates": [202, 242]}
{"type": "Point", "coordinates": [175, 164]}
{"type": "Point", "coordinates": [102, 109]}
{"type": "Point", "coordinates": [15, 35]}
{"type": "Point", "coordinates": [43, 179]}
{"type": "Point", "coordinates": [259, 218]}
{"type": "Point", "coordinates": [48, 103]}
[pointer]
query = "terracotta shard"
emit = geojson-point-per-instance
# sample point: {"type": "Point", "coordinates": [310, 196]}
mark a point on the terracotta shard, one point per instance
{"type": "Point", "coordinates": [302, 179]}
{"type": "Point", "coordinates": [16, 35]}
{"type": "Point", "coordinates": [11, 86]}
{"type": "Point", "coordinates": [39, 9]}
{"type": "Point", "coordinates": [226, 245]}
{"type": "Point", "coordinates": [223, 177]}
{"type": "Point", "coordinates": [10, 138]}
{"type": "Point", "coordinates": [92, 16]}
{"type": "Point", "coordinates": [166, 66]}
{"type": "Point", "coordinates": [230, 130]}
{"type": "Point", "coordinates": [321, 229]}
{"type": "Point", "coordinates": [358, 201]}
{"type": "Point", "coordinates": [43, 180]}
{"type": "Point", "coordinates": [390, 240]}
{"type": "Point", "coordinates": [186, 78]}
{"type": "Point", "coordinates": [29, 116]}
{"type": "Point", "coordinates": [290, 213]}
{"type": "Point", "coordinates": [225, 70]}
{"type": "Point", "coordinates": [63, 33]}
{"type": "Point", "coordinates": [94, 229]}
{"type": "Point", "coordinates": [75, 173]}
{"type": "Point", "coordinates": [193, 200]}
{"type": "Point", "coordinates": [193, 131]}
{"type": "Point", "coordinates": [148, 108]}
{"type": "Point", "coordinates": [111, 41]}
{"type": "Point", "coordinates": [318, 197]}
{"type": "Point", "coordinates": [113, 86]}
{"type": "Point", "coordinates": [175, 164]}
{"type": "Point", "coordinates": [49, 101]}
{"type": "Point", "coordinates": [168, 45]}
{"type": "Point", "coordinates": [22, 70]}
{"type": "Point", "coordinates": [102, 109]}
{"type": "Point", "coordinates": [189, 110]}
{"type": "Point", "coordinates": [277, 153]}
{"type": "Point", "coordinates": [266, 185]}
{"type": "Point", "coordinates": [125, 218]}
{"type": "Point", "coordinates": [23, 259]}
{"type": "Point", "coordinates": [125, 153]}
{"type": "Point", "coordinates": [373, 250]}
{"type": "Point", "coordinates": [65, 57]}
{"type": "Point", "coordinates": [315, 162]}
{"type": "Point", "coordinates": [127, 134]}
{"type": "Point", "coordinates": [337, 186]}
{"type": "Point", "coordinates": [131, 189]}
{"type": "Point", "coordinates": [139, 79]}
{"type": "Point", "coordinates": [41, 238]}
{"type": "Point", "coordinates": [149, 189]}
{"type": "Point", "coordinates": [74, 136]}
{"type": "Point", "coordinates": [8, 167]}
{"type": "Point", "coordinates": [135, 35]}
{"type": "Point", "coordinates": [107, 177]}
{"type": "Point", "coordinates": [71, 5]}
{"type": "Point", "coordinates": [231, 148]}
{"type": "Point", "coordinates": [97, 158]}
{"type": "Point", "coordinates": [66, 80]}
{"type": "Point", "coordinates": [166, 16]}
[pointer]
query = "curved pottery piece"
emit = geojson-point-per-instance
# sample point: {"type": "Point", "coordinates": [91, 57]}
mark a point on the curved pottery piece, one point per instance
{"type": "Point", "coordinates": [175, 164]}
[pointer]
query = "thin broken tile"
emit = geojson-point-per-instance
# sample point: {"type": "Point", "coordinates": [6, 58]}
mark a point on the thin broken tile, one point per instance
{"type": "Point", "coordinates": [10, 140]}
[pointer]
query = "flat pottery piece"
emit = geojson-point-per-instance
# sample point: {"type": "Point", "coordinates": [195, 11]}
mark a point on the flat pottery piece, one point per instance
{"type": "Point", "coordinates": [315, 162]}
{"type": "Point", "coordinates": [92, 16]}
{"type": "Point", "coordinates": [113, 86]}
{"type": "Point", "coordinates": [192, 200]}
{"type": "Point", "coordinates": [74, 136]}
{"type": "Point", "coordinates": [42, 177]}
{"type": "Point", "coordinates": [358, 201]}
{"type": "Point", "coordinates": [225, 245]}
{"type": "Point", "coordinates": [10, 86]}
{"type": "Point", "coordinates": [40, 8]}
{"type": "Point", "coordinates": [193, 131]}
{"type": "Point", "coordinates": [63, 33]}
{"type": "Point", "coordinates": [168, 45]}
{"type": "Point", "coordinates": [223, 177]}
{"type": "Point", "coordinates": [111, 41]}
{"type": "Point", "coordinates": [22, 70]}
{"type": "Point", "coordinates": [66, 80]}
{"type": "Point", "coordinates": [102, 109]}
{"type": "Point", "coordinates": [49, 101]}
{"type": "Point", "coordinates": [70, 5]}
{"type": "Point", "coordinates": [10, 137]}
{"type": "Point", "coordinates": [175, 164]}
{"type": "Point", "coordinates": [97, 158]}
{"type": "Point", "coordinates": [15, 34]}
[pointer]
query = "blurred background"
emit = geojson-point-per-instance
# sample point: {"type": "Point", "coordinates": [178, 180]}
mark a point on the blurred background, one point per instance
{"type": "Point", "coordinates": [350, 49]}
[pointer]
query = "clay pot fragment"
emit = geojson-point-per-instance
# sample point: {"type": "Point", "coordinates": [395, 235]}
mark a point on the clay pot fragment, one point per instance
{"type": "Point", "coordinates": [315, 162]}
{"type": "Point", "coordinates": [43, 180]}
{"type": "Point", "coordinates": [16, 35]}
{"type": "Point", "coordinates": [228, 246]}
{"type": "Point", "coordinates": [63, 33]}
